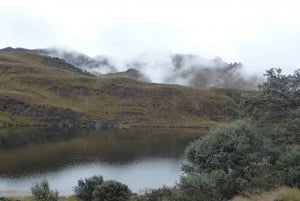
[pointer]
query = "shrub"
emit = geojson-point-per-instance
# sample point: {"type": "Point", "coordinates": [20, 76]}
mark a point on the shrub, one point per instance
{"type": "Point", "coordinates": [230, 159]}
{"type": "Point", "coordinates": [41, 192]}
{"type": "Point", "coordinates": [288, 132]}
{"type": "Point", "coordinates": [288, 166]}
{"type": "Point", "coordinates": [234, 148]}
{"type": "Point", "coordinates": [278, 96]}
{"type": "Point", "coordinates": [161, 194]}
{"type": "Point", "coordinates": [111, 191]}
{"type": "Point", "coordinates": [84, 189]}
{"type": "Point", "coordinates": [6, 199]}
{"type": "Point", "coordinates": [214, 186]}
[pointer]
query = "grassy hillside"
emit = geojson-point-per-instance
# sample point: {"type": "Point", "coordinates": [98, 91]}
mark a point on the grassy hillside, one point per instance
{"type": "Point", "coordinates": [36, 90]}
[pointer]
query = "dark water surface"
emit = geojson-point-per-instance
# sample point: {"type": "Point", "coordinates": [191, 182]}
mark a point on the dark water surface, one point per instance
{"type": "Point", "coordinates": [142, 159]}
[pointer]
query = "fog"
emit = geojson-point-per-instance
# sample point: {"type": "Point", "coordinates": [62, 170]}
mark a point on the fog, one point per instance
{"type": "Point", "coordinates": [258, 34]}
{"type": "Point", "coordinates": [184, 69]}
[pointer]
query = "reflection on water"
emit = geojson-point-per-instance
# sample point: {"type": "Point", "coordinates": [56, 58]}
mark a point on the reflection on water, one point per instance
{"type": "Point", "coordinates": [139, 175]}
{"type": "Point", "coordinates": [140, 158]}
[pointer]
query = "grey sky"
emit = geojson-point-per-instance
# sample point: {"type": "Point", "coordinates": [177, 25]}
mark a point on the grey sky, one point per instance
{"type": "Point", "coordinates": [260, 34]}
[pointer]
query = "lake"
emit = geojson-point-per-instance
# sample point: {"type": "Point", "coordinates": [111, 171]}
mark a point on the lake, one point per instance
{"type": "Point", "coordinates": [142, 159]}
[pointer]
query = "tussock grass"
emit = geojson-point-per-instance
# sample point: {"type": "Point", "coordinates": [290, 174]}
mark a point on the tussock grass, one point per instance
{"type": "Point", "coordinates": [27, 78]}
{"type": "Point", "coordinates": [288, 194]}
{"type": "Point", "coordinates": [281, 194]}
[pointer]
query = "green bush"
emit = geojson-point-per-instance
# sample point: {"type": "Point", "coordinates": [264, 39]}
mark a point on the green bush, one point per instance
{"type": "Point", "coordinates": [6, 199]}
{"type": "Point", "coordinates": [288, 166]}
{"type": "Point", "coordinates": [161, 194]}
{"type": "Point", "coordinates": [233, 148]}
{"type": "Point", "coordinates": [41, 192]}
{"type": "Point", "coordinates": [84, 189]}
{"type": "Point", "coordinates": [277, 97]}
{"type": "Point", "coordinates": [262, 152]}
{"type": "Point", "coordinates": [214, 186]}
{"type": "Point", "coordinates": [111, 191]}
{"type": "Point", "coordinates": [229, 159]}
{"type": "Point", "coordinates": [288, 132]}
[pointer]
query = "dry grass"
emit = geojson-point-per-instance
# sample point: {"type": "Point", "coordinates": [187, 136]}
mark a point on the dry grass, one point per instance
{"type": "Point", "coordinates": [28, 78]}
{"type": "Point", "coordinates": [288, 194]}
{"type": "Point", "coordinates": [29, 198]}
{"type": "Point", "coordinates": [281, 194]}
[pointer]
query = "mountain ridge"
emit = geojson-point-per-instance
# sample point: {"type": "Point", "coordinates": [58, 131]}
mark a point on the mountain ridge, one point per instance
{"type": "Point", "coordinates": [39, 91]}
{"type": "Point", "coordinates": [183, 69]}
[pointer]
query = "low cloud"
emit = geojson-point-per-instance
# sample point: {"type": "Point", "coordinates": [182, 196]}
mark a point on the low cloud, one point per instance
{"type": "Point", "coordinates": [184, 69]}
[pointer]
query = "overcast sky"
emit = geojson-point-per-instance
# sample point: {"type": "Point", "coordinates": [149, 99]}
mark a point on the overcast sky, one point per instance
{"type": "Point", "coordinates": [260, 34]}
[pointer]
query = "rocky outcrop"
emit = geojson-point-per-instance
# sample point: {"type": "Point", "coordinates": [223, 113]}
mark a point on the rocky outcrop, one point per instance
{"type": "Point", "coordinates": [52, 116]}
{"type": "Point", "coordinates": [74, 90]}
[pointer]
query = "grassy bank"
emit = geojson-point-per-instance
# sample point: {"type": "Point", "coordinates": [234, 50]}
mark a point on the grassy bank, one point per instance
{"type": "Point", "coordinates": [280, 194]}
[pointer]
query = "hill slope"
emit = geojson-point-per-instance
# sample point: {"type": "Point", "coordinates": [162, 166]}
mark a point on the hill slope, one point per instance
{"type": "Point", "coordinates": [38, 90]}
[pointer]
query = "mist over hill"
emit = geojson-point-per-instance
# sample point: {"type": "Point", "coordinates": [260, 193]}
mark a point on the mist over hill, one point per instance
{"type": "Point", "coordinates": [183, 69]}
{"type": "Point", "coordinates": [47, 91]}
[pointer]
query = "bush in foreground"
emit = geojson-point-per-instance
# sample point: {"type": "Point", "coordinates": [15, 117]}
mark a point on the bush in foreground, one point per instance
{"type": "Point", "coordinates": [233, 148]}
{"type": "Point", "coordinates": [214, 186]}
{"type": "Point", "coordinates": [96, 189]}
{"type": "Point", "coordinates": [84, 189]}
{"type": "Point", "coordinates": [161, 194]}
{"type": "Point", "coordinates": [41, 192]}
{"type": "Point", "coordinates": [225, 163]}
{"type": "Point", "coordinates": [288, 166]}
{"type": "Point", "coordinates": [111, 191]}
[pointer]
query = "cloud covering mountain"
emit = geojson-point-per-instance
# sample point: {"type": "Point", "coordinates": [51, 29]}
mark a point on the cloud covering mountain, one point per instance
{"type": "Point", "coordinates": [184, 69]}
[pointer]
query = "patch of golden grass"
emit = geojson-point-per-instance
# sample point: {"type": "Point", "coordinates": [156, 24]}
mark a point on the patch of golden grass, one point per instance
{"type": "Point", "coordinates": [68, 198]}
{"type": "Point", "coordinates": [281, 194]}
{"type": "Point", "coordinates": [288, 194]}
{"type": "Point", "coordinates": [28, 79]}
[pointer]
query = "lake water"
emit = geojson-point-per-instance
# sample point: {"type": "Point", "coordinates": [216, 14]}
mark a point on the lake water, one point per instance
{"type": "Point", "coordinates": [142, 159]}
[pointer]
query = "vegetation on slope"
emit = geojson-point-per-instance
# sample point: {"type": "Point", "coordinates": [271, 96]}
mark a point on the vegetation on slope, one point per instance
{"type": "Point", "coordinates": [251, 155]}
{"type": "Point", "coordinates": [259, 153]}
{"type": "Point", "coordinates": [37, 90]}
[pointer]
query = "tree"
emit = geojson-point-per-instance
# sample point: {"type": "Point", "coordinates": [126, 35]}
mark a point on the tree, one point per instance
{"type": "Point", "coordinates": [233, 148]}
{"type": "Point", "coordinates": [254, 153]}
{"type": "Point", "coordinates": [277, 97]}
{"type": "Point", "coordinates": [225, 162]}
{"type": "Point", "coordinates": [111, 191]}
{"type": "Point", "coordinates": [41, 192]}
{"type": "Point", "coordinates": [214, 186]}
{"type": "Point", "coordinates": [288, 132]}
{"type": "Point", "coordinates": [84, 189]}
{"type": "Point", "coordinates": [288, 166]}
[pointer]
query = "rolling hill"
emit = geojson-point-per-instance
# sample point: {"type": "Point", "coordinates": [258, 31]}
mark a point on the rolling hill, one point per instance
{"type": "Point", "coordinates": [40, 90]}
